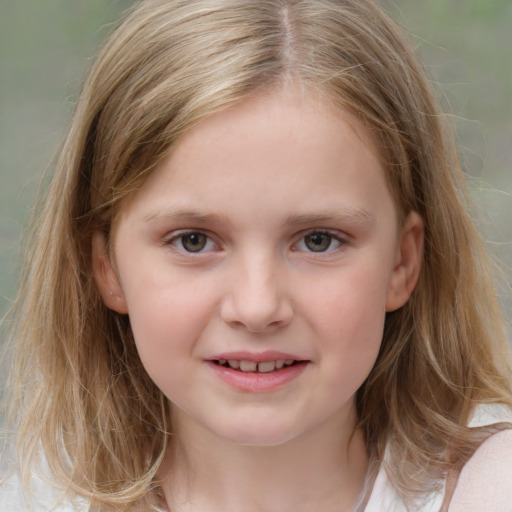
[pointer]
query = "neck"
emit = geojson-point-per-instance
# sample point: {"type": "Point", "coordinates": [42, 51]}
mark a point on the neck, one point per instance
{"type": "Point", "coordinates": [322, 469]}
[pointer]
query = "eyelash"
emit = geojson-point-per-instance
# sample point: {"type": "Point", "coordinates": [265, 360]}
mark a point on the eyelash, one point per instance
{"type": "Point", "coordinates": [181, 236]}
{"type": "Point", "coordinates": [333, 237]}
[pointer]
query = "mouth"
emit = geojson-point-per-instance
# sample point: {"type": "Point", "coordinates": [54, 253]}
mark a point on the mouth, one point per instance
{"type": "Point", "coordinates": [262, 372]}
{"type": "Point", "coordinates": [245, 366]}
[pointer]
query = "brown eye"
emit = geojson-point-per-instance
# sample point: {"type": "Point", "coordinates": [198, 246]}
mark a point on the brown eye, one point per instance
{"type": "Point", "coordinates": [193, 242]}
{"type": "Point", "coordinates": [318, 242]}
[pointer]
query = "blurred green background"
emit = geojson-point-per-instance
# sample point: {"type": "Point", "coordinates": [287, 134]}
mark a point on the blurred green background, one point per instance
{"type": "Point", "coordinates": [47, 45]}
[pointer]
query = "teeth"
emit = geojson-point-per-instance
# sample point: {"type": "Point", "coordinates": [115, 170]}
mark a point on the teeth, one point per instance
{"type": "Point", "coordinates": [268, 366]}
{"type": "Point", "coordinates": [252, 366]}
{"type": "Point", "coordinates": [248, 366]}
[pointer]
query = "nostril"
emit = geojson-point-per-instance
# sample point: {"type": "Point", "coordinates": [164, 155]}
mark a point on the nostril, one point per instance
{"type": "Point", "coordinates": [256, 304]}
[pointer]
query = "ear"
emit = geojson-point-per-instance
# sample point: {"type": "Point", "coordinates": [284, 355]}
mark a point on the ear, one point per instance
{"type": "Point", "coordinates": [408, 262]}
{"type": "Point", "coordinates": [104, 275]}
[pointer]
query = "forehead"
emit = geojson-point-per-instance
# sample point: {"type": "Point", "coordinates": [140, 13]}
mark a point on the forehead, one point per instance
{"type": "Point", "coordinates": [282, 151]}
{"type": "Point", "coordinates": [290, 115]}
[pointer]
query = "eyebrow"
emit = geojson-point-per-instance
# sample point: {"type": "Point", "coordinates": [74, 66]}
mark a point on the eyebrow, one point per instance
{"type": "Point", "coordinates": [346, 215]}
{"type": "Point", "coordinates": [187, 215]}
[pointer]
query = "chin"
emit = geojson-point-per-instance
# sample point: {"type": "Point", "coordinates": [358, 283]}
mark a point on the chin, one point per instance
{"type": "Point", "coordinates": [257, 435]}
{"type": "Point", "coordinates": [247, 427]}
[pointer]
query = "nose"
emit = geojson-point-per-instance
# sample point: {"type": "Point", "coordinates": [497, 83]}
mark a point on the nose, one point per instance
{"type": "Point", "coordinates": [257, 298]}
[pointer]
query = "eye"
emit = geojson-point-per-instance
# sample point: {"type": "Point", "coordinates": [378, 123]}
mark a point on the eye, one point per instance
{"type": "Point", "coordinates": [193, 242]}
{"type": "Point", "coordinates": [318, 241]}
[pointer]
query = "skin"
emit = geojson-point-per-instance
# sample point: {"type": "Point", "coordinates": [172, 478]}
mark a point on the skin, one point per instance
{"type": "Point", "coordinates": [263, 181]}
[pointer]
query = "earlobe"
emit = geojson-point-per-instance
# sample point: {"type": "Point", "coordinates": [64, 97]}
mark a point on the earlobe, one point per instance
{"type": "Point", "coordinates": [105, 277]}
{"type": "Point", "coordinates": [408, 262]}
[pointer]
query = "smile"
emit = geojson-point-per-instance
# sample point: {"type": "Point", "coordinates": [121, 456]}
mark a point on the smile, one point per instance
{"type": "Point", "coordinates": [257, 372]}
{"type": "Point", "coordinates": [253, 366]}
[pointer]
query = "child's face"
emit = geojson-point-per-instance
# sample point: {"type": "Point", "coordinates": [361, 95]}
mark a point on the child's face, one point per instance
{"type": "Point", "coordinates": [269, 235]}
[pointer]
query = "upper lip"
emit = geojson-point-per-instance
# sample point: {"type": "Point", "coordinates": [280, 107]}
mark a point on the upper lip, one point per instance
{"type": "Point", "coordinates": [257, 357]}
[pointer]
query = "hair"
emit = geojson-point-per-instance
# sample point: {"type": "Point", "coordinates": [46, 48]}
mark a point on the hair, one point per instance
{"type": "Point", "coordinates": [79, 391]}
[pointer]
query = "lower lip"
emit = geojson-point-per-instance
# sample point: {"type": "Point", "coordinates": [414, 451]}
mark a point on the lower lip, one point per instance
{"type": "Point", "coordinates": [254, 382]}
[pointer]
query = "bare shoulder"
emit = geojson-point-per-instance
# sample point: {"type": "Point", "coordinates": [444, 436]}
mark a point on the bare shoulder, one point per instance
{"type": "Point", "coordinates": [485, 483]}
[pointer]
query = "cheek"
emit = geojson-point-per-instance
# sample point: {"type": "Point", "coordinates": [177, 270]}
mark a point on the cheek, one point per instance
{"type": "Point", "coordinates": [350, 351]}
{"type": "Point", "coordinates": [167, 316]}
{"type": "Point", "coordinates": [354, 338]}
{"type": "Point", "coordinates": [352, 304]}
{"type": "Point", "coordinates": [348, 315]}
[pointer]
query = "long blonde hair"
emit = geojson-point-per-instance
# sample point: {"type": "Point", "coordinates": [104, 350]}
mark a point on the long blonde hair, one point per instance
{"type": "Point", "coordinates": [79, 391]}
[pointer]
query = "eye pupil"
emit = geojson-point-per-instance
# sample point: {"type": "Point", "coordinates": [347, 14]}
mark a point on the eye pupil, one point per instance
{"type": "Point", "coordinates": [318, 242]}
{"type": "Point", "coordinates": [194, 242]}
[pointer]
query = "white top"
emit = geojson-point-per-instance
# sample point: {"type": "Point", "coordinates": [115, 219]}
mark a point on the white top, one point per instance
{"type": "Point", "coordinates": [485, 483]}
{"type": "Point", "coordinates": [43, 498]}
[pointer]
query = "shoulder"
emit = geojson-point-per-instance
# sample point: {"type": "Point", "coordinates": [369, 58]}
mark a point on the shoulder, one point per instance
{"type": "Point", "coordinates": [485, 481]}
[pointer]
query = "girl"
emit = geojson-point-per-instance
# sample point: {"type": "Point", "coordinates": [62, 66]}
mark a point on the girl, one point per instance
{"type": "Point", "coordinates": [254, 285]}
